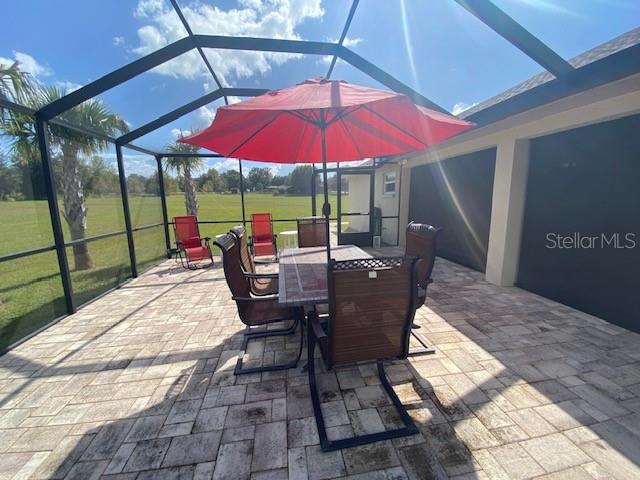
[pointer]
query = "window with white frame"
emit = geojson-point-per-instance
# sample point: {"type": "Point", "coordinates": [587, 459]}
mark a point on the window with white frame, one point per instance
{"type": "Point", "coordinates": [389, 183]}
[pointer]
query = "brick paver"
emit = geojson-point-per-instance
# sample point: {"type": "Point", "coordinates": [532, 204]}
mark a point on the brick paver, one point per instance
{"type": "Point", "coordinates": [140, 385]}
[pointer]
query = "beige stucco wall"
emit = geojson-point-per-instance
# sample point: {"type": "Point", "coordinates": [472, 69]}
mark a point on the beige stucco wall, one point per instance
{"type": "Point", "coordinates": [356, 202]}
{"type": "Point", "coordinates": [614, 100]}
{"type": "Point", "coordinates": [388, 203]}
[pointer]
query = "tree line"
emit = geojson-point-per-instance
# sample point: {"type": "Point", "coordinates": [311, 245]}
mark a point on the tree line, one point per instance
{"type": "Point", "coordinates": [297, 182]}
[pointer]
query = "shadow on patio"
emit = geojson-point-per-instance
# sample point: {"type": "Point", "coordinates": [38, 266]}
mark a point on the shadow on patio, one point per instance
{"type": "Point", "coordinates": [139, 384]}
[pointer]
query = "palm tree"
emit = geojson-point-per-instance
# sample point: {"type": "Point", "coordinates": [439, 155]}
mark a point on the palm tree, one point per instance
{"type": "Point", "coordinates": [93, 115]}
{"type": "Point", "coordinates": [185, 166]}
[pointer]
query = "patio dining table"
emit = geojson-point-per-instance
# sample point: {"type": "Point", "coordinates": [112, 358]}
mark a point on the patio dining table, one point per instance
{"type": "Point", "coordinates": [302, 275]}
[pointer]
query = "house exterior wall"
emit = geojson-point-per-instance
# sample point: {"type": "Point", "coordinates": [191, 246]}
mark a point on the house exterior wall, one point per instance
{"type": "Point", "coordinates": [581, 225]}
{"type": "Point", "coordinates": [455, 195]}
{"type": "Point", "coordinates": [607, 102]}
{"type": "Point", "coordinates": [512, 139]}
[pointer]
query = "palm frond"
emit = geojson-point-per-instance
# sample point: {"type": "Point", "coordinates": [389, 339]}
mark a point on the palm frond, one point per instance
{"type": "Point", "coordinates": [16, 85]}
{"type": "Point", "coordinates": [179, 164]}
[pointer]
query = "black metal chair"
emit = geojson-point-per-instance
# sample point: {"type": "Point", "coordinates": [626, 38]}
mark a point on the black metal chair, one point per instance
{"type": "Point", "coordinates": [256, 310]}
{"type": "Point", "coordinates": [371, 307]}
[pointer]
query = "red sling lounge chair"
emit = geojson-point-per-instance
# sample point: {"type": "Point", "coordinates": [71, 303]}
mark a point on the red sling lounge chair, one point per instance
{"type": "Point", "coordinates": [192, 249]}
{"type": "Point", "coordinates": [263, 239]}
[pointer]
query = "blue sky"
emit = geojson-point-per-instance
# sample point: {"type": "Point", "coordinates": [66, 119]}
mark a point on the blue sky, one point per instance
{"type": "Point", "coordinates": [435, 46]}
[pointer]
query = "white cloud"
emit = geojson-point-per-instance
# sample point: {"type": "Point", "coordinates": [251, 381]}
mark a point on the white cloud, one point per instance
{"type": "Point", "coordinates": [206, 114]}
{"type": "Point", "coordinates": [118, 41]}
{"type": "Point", "coordinates": [348, 42]}
{"type": "Point", "coordinates": [275, 169]}
{"type": "Point", "coordinates": [30, 65]}
{"type": "Point", "coordinates": [139, 164]}
{"type": "Point", "coordinates": [462, 106]}
{"type": "Point", "coordinates": [272, 19]}
{"type": "Point", "coordinates": [68, 87]}
{"type": "Point", "coordinates": [27, 64]}
{"type": "Point", "coordinates": [226, 165]}
{"type": "Point", "coordinates": [177, 133]}
{"type": "Point", "coordinates": [149, 7]}
{"type": "Point", "coordinates": [351, 42]}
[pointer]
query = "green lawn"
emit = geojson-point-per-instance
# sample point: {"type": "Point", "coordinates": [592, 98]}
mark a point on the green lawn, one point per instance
{"type": "Point", "coordinates": [30, 287]}
{"type": "Point", "coordinates": [217, 207]}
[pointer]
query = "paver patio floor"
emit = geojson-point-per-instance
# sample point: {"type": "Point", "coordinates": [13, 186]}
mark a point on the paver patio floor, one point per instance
{"type": "Point", "coordinates": [139, 385]}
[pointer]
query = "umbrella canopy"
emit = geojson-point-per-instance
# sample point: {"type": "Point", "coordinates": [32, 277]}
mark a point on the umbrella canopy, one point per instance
{"type": "Point", "coordinates": [324, 120]}
{"type": "Point", "coordinates": [288, 125]}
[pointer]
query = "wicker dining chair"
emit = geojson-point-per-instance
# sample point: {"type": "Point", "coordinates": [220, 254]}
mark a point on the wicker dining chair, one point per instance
{"type": "Point", "coordinates": [421, 243]}
{"type": "Point", "coordinates": [312, 232]}
{"type": "Point", "coordinates": [254, 310]}
{"type": "Point", "coordinates": [371, 307]}
{"type": "Point", "coordinates": [260, 283]}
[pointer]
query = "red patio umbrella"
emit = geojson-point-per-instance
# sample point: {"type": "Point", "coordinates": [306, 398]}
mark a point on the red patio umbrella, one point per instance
{"type": "Point", "coordinates": [324, 120]}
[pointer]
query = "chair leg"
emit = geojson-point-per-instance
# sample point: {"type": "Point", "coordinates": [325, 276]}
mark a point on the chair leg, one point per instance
{"type": "Point", "coordinates": [329, 445]}
{"type": "Point", "coordinates": [210, 254]}
{"type": "Point", "coordinates": [268, 368]}
{"type": "Point", "coordinates": [182, 260]}
{"type": "Point", "coordinates": [424, 349]}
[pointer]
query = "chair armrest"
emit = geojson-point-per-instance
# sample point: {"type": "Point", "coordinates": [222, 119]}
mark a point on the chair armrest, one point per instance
{"type": "Point", "coordinates": [264, 262]}
{"type": "Point", "coordinates": [269, 298]}
{"type": "Point", "coordinates": [316, 327]}
{"type": "Point", "coordinates": [259, 276]}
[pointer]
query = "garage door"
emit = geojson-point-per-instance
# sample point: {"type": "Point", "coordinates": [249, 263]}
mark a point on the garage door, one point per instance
{"type": "Point", "coordinates": [581, 234]}
{"type": "Point", "coordinates": [455, 194]}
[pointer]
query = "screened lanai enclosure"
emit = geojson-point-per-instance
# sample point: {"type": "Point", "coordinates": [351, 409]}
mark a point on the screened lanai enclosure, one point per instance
{"type": "Point", "coordinates": [116, 360]}
{"type": "Point", "coordinates": [67, 246]}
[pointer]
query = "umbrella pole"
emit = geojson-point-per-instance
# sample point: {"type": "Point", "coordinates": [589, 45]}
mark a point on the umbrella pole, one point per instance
{"type": "Point", "coordinates": [326, 208]}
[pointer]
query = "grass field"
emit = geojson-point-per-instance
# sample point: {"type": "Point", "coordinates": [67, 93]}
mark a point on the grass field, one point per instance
{"type": "Point", "coordinates": [30, 288]}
